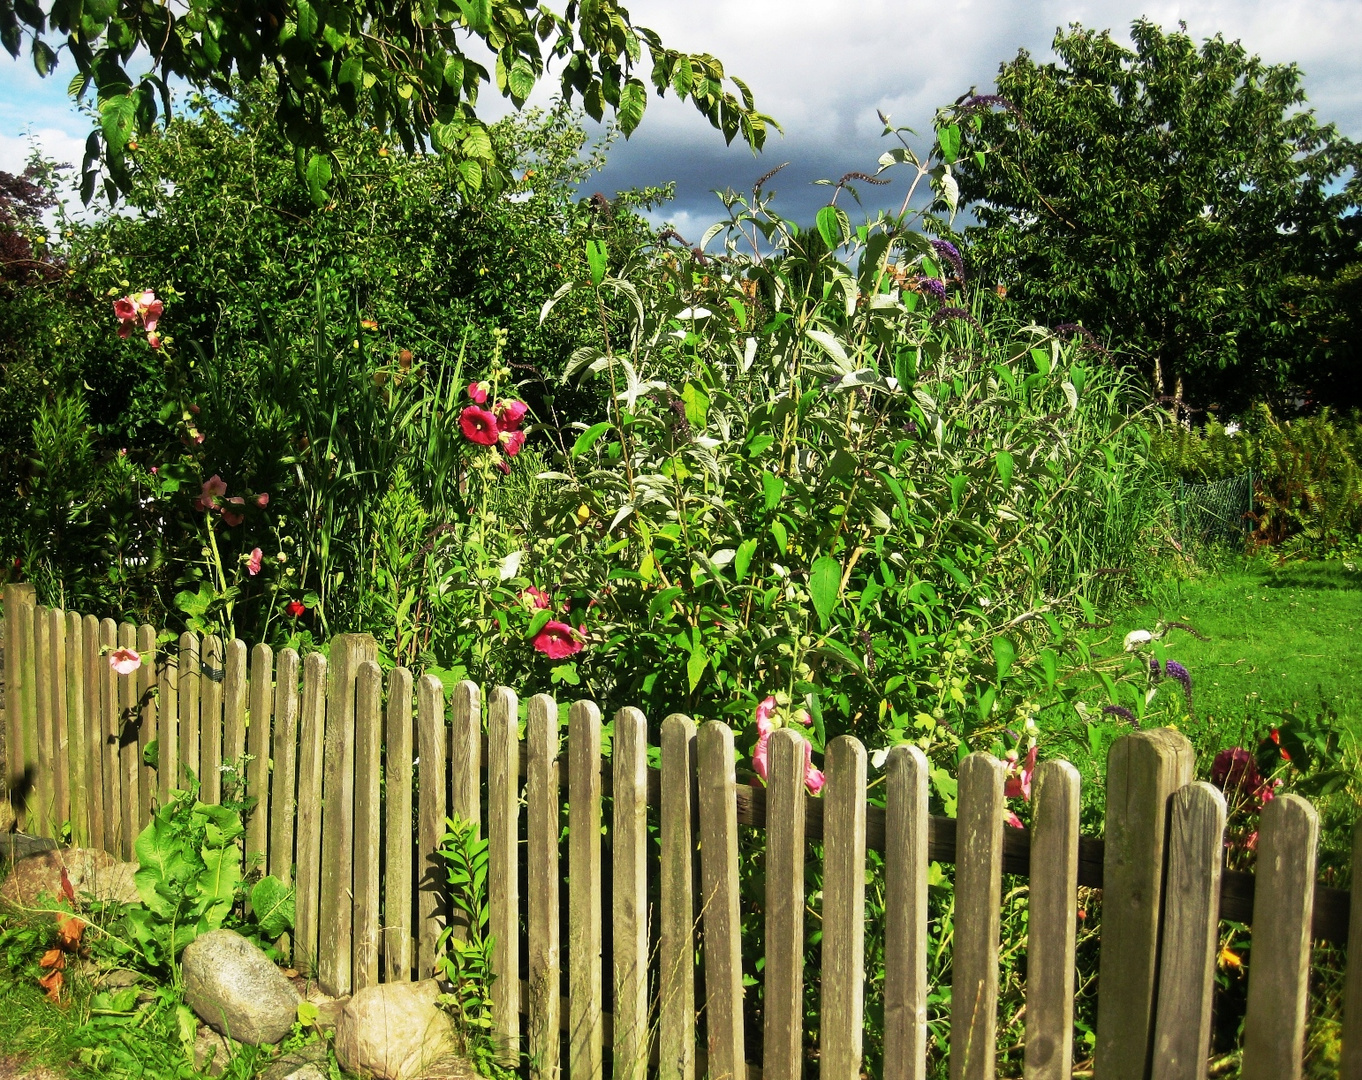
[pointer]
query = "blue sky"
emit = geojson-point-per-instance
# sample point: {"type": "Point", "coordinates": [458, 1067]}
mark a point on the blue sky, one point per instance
{"type": "Point", "coordinates": [824, 69]}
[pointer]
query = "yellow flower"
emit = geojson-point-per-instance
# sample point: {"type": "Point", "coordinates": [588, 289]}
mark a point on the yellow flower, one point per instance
{"type": "Point", "coordinates": [1229, 958]}
{"type": "Point", "coordinates": [583, 514]}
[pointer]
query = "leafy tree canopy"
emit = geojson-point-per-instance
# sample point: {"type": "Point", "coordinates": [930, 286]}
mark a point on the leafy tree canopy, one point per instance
{"type": "Point", "coordinates": [1167, 198]}
{"type": "Point", "coordinates": [406, 64]}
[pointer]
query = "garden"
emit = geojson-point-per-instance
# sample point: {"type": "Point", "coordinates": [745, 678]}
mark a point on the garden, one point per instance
{"type": "Point", "coordinates": [323, 357]}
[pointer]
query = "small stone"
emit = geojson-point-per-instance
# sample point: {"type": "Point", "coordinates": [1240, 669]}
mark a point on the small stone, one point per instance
{"type": "Point", "coordinates": [310, 1071]}
{"type": "Point", "coordinates": [210, 1042]}
{"type": "Point", "coordinates": [328, 1008]}
{"type": "Point", "coordinates": [395, 1031]}
{"type": "Point", "coordinates": [92, 873]}
{"type": "Point", "coordinates": [232, 986]}
{"type": "Point", "coordinates": [297, 1064]}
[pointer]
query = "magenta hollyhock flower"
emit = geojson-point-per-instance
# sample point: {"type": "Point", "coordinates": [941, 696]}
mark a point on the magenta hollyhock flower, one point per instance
{"type": "Point", "coordinates": [502, 465]}
{"type": "Point", "coordinates": [1019, 777]}
{"type": "Point", "coordinates": [557, 640]}
{"type": "Point", "coordinates": [126, 310]}
{"type": "Point", "coordinates": [478, 391]}
{"type": "Point", "coordinates": [1235, 768]}
{"type": "Point", "coordinates": [479, 426]}
{"type": "Point", "coordinates": [253, 564]}
{"type": "Point", "coordinates": [512, 442]}
{"type": "Point", "coordinates": [813, 778]}
{"type": "Point", "coordinates": [536, 599]}
{"type": "Point", "coordinates": [511, 414]}
{"type": "Point", "coordinates": [125, 661]}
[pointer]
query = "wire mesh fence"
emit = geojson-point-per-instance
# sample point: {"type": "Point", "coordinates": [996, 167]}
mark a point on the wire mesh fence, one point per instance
{"type": "Point", "coordinates": [1218, 512]}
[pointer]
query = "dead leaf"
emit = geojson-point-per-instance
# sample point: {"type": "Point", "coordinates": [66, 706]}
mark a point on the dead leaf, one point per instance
{"type": "Point", "coordinates": [52, 982]}
{"type": "Point", "coordinates": [66, 889]}
{"type": "Point", "coordinates": [53, 958]}
{"type": "Point", "coordinates": [69, 931]}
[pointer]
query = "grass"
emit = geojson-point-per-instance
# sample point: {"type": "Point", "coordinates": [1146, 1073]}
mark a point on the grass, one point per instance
{"type": "Point", "coordinates": [1279, 639]}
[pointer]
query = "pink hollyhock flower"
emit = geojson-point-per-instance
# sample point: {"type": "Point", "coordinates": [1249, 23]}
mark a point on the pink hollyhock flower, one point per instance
{"type": "Point", "coordinates": [510, 414]}
{"type": "Point", "coordinates": [478, 426]}
{"type": "Point", "coordinates": [199, 437]}
{"type": "Point", "coordinates": [1014, 821]}
{"type": "Point", "coordinates": [155, 469]}
{"type": "Point", "coordinates": [263, 499]}
{"type": "Point", "coordinates": [145, 300]}
{"type": "Point", "coordinates": [558, 640]}
{"type": "Point", "coordinates": [194, 409]}
{"type": "Point", "coordinates": [126, 310]}
{"type": "Point", "coordinates": [536, 599]}
{"type": "Point", "coordinates": [213, 488]}
{"type": "Point", "coordinates": [151, 314]}
{"type": "Point", "coordinates": [295, 608]}
{"type": "Point", "coordinates": [1019, 778]}
{"type": "Point", "coordinates": [154, 340]}
{"type": "Point", "coordinates": [125, 661]}
{"type": "Point", "coordinates": [253, 564]}
{"type": "Point", "coordinates": [478, 391]}
{"type": "Point", "coordinates": [125, 330]}
{"type": "Point", "coordinates": [512, 442]}
{"type": "Point", "coordinates": [813, 778]}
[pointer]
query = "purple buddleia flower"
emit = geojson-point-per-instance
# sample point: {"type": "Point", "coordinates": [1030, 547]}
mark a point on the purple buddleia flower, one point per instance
{"type": "Point", "coordinates": [980, 102]}
{"type": "Point", "coordinates": [948, 251]}
{"type": "Point", "coordinates": [932, 286]}
{"type": "Point", "coordinates": [1071, 330]}
{"type": "Point", "coordinates": [1154, 671]}
{"type": "Point", "coordinates": [1174, 670]}
{"type": "Point", "coordinates": [1122, 712]}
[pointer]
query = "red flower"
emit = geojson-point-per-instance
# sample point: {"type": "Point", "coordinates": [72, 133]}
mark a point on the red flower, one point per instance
{"type": "Point", "coordinates": [295, 608]}
{"type": "Point", "coordinates": [558, 640]}
{"type": "Point", "coordinates": [536, 599]}
{"type": "Point", "coordinates": [125, 309]}
{"type": "Point", "coordinates": [478, 391]}
{"type": "Point", "coordinates": [512, 442]}
{"type": "Point", "coordinates": [479, 426]}
{"type": "Point", "coordinates": [510, 414]}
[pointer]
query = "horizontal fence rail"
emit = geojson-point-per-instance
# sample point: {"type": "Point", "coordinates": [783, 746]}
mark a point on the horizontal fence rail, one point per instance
{"type": "Point", "coordinates": [622, 944]}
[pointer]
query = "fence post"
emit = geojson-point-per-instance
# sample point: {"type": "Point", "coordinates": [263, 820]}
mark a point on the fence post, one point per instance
{"type": "Point", "coordinates": [1352, 992]}
{"type": "Point", "coordinates": [432, 737]}
{"type": "Point", "coordinates": [129, 726]}
{"type": "Point", "coordinates": [149, 694]}
{"type": "Point", "coordinates": [311, 750]}
{"type": "Point", "coordinates": [258, 745]}
{"type": "Point", "coordinates": [783, 997]}
{"type": "Point", "coordinates": [629, 884]}
{"type": "Point", "coordinates": [16, 596]}
{"type": "Point", "coordinates": [94, 730]}
{"type": "Point", "coordinates": [212, 676]}
{"type": "Point", "coordinates": [61, 735]}
{"type": "Point", "coordinates": [368, 823]}
{"type": "Point", "coordinates": [109, 732]}
{"type": "Point", "coordinates": [719, 875]}
{"type": "Point", "coordinates": [77, 755]}
{"type": "Point", "coordinates": [44, 790]}
{"type": "Point", "coordinates": [905, 904]}
{"type": "Point", "coordinates": [1144, 769]}
{"type": "Point", "coordinates": [542, 829]}
{"type": "Point", "coordinates": [284, 809]}
{"type": "Point", "coordinates": [190, 709]}
{"type": "Point", "coordinates": [168, 723]}
{"type": "Point", "coordinates": [585, 1020]}
{"type": "Point", "coordinates": [676, 903]}
{"type": "Point", "coordinates": [843, 972]}
{"type": "Point", "coordinates": [503, 893]}
{"type": "Point", "coordinates": [397, 738]}
{"type": "Point", "coordinates": [348, 652]}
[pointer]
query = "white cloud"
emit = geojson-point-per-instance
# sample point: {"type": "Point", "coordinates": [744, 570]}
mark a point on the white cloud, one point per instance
{"type": "Point", "coordinates": [57, 144]}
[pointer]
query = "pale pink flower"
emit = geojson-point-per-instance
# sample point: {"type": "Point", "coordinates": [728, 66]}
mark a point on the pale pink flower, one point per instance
{"type": "Point", "coordinates": [151, 314]}
{"type": "Point", "coordinates": [154, 339]}
{"type": "Point", "coordinates": [263, 499]}
{"type": "Point", "coordinates": [1019, 777]}
{"type": "Point", "coordinates": [125, 661]}
{"type": "Point", "coordinates": [213, 488]}
{"type": "Point", "coordinates": [253, 564]}
{"type": "Point", "coordinates": [1014, 821]}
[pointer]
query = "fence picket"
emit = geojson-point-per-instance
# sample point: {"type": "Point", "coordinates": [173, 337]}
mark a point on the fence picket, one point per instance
{"type": "Point", "coordinates": [61, 738]}
{"type": "Point", "coordinates": [585, 1021]}
{"type": "Point", "coordinates": [235, 689]}
{"type": "Point", "coordinates": [258, 747]}
{"type": "Point", "coordinates": [719, 903]}
{"type": "Point", "coordinates": [1351, 1065]}
{"type": "Point", "coordinates": [397, 868]}
{"type": "Point", "coordinates": [368, 822]}
{"type": "Point", "coordinates": [16, 596]}
{"type": "Point", "coordinates": [1191, 933]}
{"type": "Point", "coordinates": [1284, 893]}
{"type": "Point", "coordinates": [283, 779]}
{"type": "Point", "coordinates": [129, 725]}
{"type": "Point", "coordinates": [212, 676]}
{"type": "Point", "coordinates": [465, 753]}
{"type": "Point", "coordinates": [1144, 768]}
{"type": "Point", "coordinates": [676, 902]}
{"type": "Point", "coordinates": [431, 735]}
{"type": "Point", "coordinates": [109, 705]}
{"type": "Point", "coordinates": [843, 968]}
{"type": "Point", "coordinates": [311, 751]}
{"type": "Point", "coordinates": [905, 934]}
{"type": "Point", "coordinates": [78, 779]}
{"type": "Point", "coordinates": [94, 729]}
{"type": "Point", "coordinates": [978, 894]}
{"type": "Point", "coordinates": [629, 893]}
{"type": "Point", "coordinates": [1052, 923]}
{"type": "Point", "coordinates": [168, 723]}
{"type": "Point", "coordinates": [29, 774]}
{"type": "Point", "coordinates": [503, 893]}
{"type": "Point", "coordinates": [783, 994]}
{"type": "Point", "coordinates": [190, 708]}
{"type": "Point", "coordinates": [149, 726]}
{"type": "Point", "coordinates": [542, 830]}
{"type": "Point", "coordinates": [44, 790]}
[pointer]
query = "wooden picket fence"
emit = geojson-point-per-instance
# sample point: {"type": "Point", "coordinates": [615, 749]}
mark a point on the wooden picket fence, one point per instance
{"type": "Point", "coordinates": [354, 782]}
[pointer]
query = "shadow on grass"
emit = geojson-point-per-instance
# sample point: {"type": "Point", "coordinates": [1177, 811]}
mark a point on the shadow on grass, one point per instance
{"type": "Point", "coordinates": [1329, 575]}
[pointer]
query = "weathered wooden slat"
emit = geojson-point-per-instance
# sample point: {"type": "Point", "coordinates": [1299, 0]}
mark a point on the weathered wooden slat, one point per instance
{"type": "Point", "coordinates": [719, 901]}
{"type": "Point", "coordinates": [905, 934]}
{"type": "Point", "coordinates": [44, 790]}
{"type": "Point", "coordinates": [1351, 1065]}
{"type": "Point", "coordinates": [783, 992]}
{"type": "Point", "coordinates": [368, 822]}
{"type": "Point", "coordinates": [149, 724]}
{"type": "Point", "coordinates": [397, 864]}
{"type": "Point", "coordinates": [1144, 768]}
{"type": "Point", "coordinates": [284, 778]}
{"type": "Point", "coordinates": [503, 892]}
{"type": "Point", "coordinates": [61, 737]}
{"type": "Point", "coordinates": [168, 723]}
{"type": "Point", "coordinates": [1052, 922]}
{"type": "Point", "coordinates": [1191, 933]}
{"type": "Point", "coordinates": [843, 968]}
{"type": "Point", "coordinates": [431, 742]}
{"type": "Point", "coordinates": [129, 726]}
{"type": "Point", "coordinates": [629, 893]}
{"type": "Point", "coordinates": [336, 945]}
{"type": "Point", "coordinates": [676, 901]}
{"type": "Point", "coordinates": [585, 1032]}
{"type": "Point", "coordinates": [95, 680]}
{"type": "Point", "coordinates": [212, 677]}
{"type": "Point", "coordinates": [191, 701]}
{"type": "Point", "coordinates": [542, 830]}
{"type": "Point", "coordinates": [235, 694]}
{"type": "Point", "coordinates": [465, 761]}
{"type": "Point", "coordinates": [110, 729]}
{"type": "Point", "coordinates": [258, 748]}
{"type": "Point", "coordinates": [311, 754]}
{"type": "Point", "coordinates": [978, 895]}
{"type": "Point", "coordinates": [16, 596]}
{"type": "Point", "coordinates": [77, 755]}
{"type": "Point", "coordinates": [1279, 975]}
{"type": "Point", "coordinates": [29, 780]}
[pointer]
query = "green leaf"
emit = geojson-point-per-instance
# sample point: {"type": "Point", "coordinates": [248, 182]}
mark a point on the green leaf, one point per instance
{"type": "Point", "coordinates": [833, 226]}
{"type": "Point", "coordinates": [949, 140]}
{"type": "Point", "coordinates": [272, 906]}
{"type": "Point", "coordinates": [697, 405]}
{"type": "Point", "coordinates": [318, 176]}
{"type": "Point", "coordinates": [217, 884]}
{"type": "Point", "coordinates": [633, 100]}
{"type": "Point", "coordinates": [477, 144]}
{"type": "Point", "coordinates": [1005, 466]}
{"type": "Point", "coordinates": [742, 561]}
{"type": "Point", "coordinates": [470, 175]}
{"type": "Point", "coordinates": [1004, 654]}
{"type": "Point", "coordinates": [194, 603]}
{"type": "Point", "coordinates": [773, 487]}
{"type": "Point", "coordinates": [117, 118]}
{"type": "Point", "coordinates": [587, 439]}
{"type": "Point", "coordinates": [695, 667]}
{"type": "Point", "coordinates": [541, 619]}
{"type": "Point", "coordinates": [782, 540]}
{"type": "Point", "coordinates": [596, 258]}
{"type": "Point", "coordinates": [825, 581]}
{"type": "Point", "coordinates": [521, 79]}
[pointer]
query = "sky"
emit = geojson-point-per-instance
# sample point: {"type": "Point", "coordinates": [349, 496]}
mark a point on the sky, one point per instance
{"type": "Point", "coordinates": [823, 70]}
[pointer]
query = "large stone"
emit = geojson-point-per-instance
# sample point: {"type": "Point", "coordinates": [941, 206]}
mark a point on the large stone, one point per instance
{"type": "Point", "coordinates": [233, 987]}
{"type": "Point", "coordinates": [395, 1031]}
{"type": "Point", "coordinates": [93, 874]}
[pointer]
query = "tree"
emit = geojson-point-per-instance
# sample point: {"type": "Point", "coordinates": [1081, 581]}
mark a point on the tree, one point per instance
{"type": "Point", "coordinates": [1165, 198]}
{"type": "Point", "coordinates": [407, 65]}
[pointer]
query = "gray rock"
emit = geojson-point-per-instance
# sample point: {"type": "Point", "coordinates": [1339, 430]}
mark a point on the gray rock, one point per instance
{"type": "Point", "coordinates": [209, 1042]}
{"type": "Point", "coordinates": [232, 986]}
{"type": "Point", "coordinates": [17, 845]}
{"type": "Point", "coordinates": [328, 1008]}
{"type": "Point", "coordinates": [301, 1064]}
{"type": "Point", "coordinates": [310, 1071]}
{"type": "Point", "coordinates": [395, 1031]}
{"type": "Point", "coordinates": [93, 874]}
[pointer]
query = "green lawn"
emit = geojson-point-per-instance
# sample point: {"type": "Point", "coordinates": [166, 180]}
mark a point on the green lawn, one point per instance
{"type": "Point", "coordinates": [1278, 639]}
